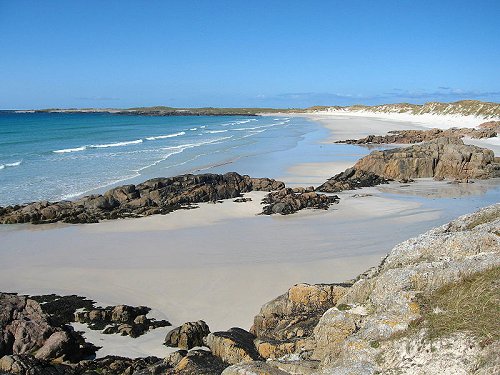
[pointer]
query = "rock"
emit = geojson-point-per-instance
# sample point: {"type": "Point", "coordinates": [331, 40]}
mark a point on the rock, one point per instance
{"type": "Point", "coordinates": [367, 331]}
{"type": "Point", "coordinates": [123, 319]}
{"type": "Point", "coordinates": [295, 366]}
{"type": "Point", "coordinates": [125, 313]}
{"type": "Point", "coordinates": [253, 368]}
{"type": "Point", "coordinates": [174, 358]}
{"type": "Point", "coordinates": [57, 345]}
{"type": "Point", "coordinates": [29, 365]}
{"type": "Point", "coordinates": [294, 315]}
{"type": "Point", "coordinates": [112, 365]}
{"type": "Point", "coordinates": [351, 179]}
{"type": "Point", "coordinates": [188, 335]}
{"type": "Point", "coordinates": [446, 158]}
{"type": "Point", "coordinates": [233, 346]}
{"type": "Point", "coordinates": [198, 362]}
{"type": "Point", "coordinates": [486, 130]}
{"type": "Point", "coordinates": [155, 196]}
{"type": "Point", "coordinates": [242, 200]}
{"type": "Point", "coordinates": [491, 125]}
{"type": "Point", "coordinates": [287, 201]}
{"type": "Point", "coordinates": [25, 328]}
{"type": "Point", "coordinates": [332, 330]}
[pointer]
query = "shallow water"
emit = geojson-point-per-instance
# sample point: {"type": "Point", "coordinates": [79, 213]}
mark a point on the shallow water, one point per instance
{"type": "Point", "coordinates": [54, 156]}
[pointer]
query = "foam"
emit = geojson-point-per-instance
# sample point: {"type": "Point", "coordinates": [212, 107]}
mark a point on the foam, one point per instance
{"type": "Point", "coordinates": [165, 136]}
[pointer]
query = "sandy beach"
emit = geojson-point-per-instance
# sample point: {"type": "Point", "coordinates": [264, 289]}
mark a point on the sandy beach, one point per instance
{"type": "Point", "coordinates": [221, 262]}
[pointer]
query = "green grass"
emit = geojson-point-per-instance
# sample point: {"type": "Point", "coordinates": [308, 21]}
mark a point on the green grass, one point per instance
{"type": "Point", "coordinates": [471, 305]}
{"type": "Point", "coordinates": [483, 218]}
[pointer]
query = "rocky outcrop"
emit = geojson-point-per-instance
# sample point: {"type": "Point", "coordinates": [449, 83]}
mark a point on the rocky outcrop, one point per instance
{"type": "Point", "coordinates": [155, 196]}
{"type": "Point", "coordinates": [388, 320]}
{"type": "Point", "coordinates": [382, 323]}
{"type": "Point", "coordinates": [233, 346]}
{"type": "Point", "coordinates": [253, 368]}
{"type": "Point", "coordinates": [188, 335]}
{"type": "Point", "coordinates": [198, 362]}
{"type": "Point", "coordinates": [491, 125]}
{"type": "Point", "coordinates": [29, 365]}
{"type": "Point", "coordinates": [485, 130]}
{"type": "Point", "coordinates": [443, 158]}
{"type": "Point", "coordinates": [287, 201]}
{"type": "Point", "coordinates": [122, 319]}
{"type": "Point", "coordinates": [385, 303]}
{"type": "Point", "coordinates": [285, 324]}
{"type": "Point", "coordinates": [25, 328]}
{"type": "Point", "coordinates": [351, 179]}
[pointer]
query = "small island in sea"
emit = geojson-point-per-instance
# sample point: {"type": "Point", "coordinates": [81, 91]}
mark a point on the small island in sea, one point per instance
{"type": "Point", "coordinates": [205, 188]}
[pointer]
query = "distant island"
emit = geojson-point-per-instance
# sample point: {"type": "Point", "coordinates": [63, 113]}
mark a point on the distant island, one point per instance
{"type": "Point", "coordinates": [462, 108]}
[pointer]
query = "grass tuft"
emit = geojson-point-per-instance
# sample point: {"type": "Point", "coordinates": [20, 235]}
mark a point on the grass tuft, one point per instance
{"type": "Point", "coordinates": [471, 305]}
{"type": "Point", "coordinates": [483, 218]}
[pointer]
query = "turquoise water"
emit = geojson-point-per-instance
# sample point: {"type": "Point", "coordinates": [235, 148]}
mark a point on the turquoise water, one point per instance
{"type": "Point", "coordinates": [54, 156]}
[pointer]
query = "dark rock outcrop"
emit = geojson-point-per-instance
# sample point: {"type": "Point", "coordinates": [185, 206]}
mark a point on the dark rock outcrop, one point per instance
{"type": "Point", "coordinates": [486, 130]}
{"type": "Point", "coordinates": [155, 196]}
{"type": "Point", "coordinates": [351, 179]}
{"type": "Point", "coordinates": [188, 335]}
{"type": "Point", "coordinates": [443, 158]}
{"type": "Point", "coordinates": [25, 328]}
{"type": "Point", "coordinates": [111, 365]}
{"type": "Point", "coordinates": [122, 319]}
{"type": "Point", "coordinates": [287, 201]}
{"type": "Point", "coordinates": [29, 365]}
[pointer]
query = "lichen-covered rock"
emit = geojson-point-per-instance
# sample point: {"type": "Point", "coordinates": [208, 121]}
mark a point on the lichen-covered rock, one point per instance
{"type": "Point", "coordinates": [415, 354]}
{"type": "Point", "coordinates": [233, 346]}
{"type": "Point", "coordinates": [360, 334]}
{"type": "Point", "coordinates": [295, 313]}
{"type": "Point", "coordinates": [198, 362]}
{"type": "Point", "coordinates": [188, 335]}
{"type": "Point", "coordinates": [253, 368]}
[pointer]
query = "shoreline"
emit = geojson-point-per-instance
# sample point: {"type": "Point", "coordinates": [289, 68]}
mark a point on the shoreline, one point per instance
{"type": "Point", "coordinates": [221, 262]}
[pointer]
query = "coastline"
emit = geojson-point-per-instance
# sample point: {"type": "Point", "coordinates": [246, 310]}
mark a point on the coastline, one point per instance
{"type": "Point", "coordinates": [221, 262]}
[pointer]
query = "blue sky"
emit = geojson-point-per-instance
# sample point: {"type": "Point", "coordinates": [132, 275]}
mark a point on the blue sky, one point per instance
{"type": "Point", "coordinates": [247, 53]}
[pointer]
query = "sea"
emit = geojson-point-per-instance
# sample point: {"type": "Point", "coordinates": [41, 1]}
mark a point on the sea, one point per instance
{"type": "Point", "coordinates": [62, 156]}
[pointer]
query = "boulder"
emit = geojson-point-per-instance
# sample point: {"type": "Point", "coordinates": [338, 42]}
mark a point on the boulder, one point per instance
{"type": "Point", "coordinates": [253, 368]}
{"type": "Point", "coordinates": [29, 365]}
{"type": "Point", "coordinates": [233, 346]}
{"type": "Point", "coordinates": [351, 179]}
{"type": "Point", "coordinates": [287, 201]}
{"type": "Point", "coordinates": [198, 362]}
{"type": "Point", "coordinates": [57, 345]}
{"type": "Point", "coordinates": [188, 335]}
{"type": "Point", "coordinates": [442, 158]}
{"type": "Point", "coordinates": [122, 319]}
{"type": "Point", "coordinates": [295, 313]}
